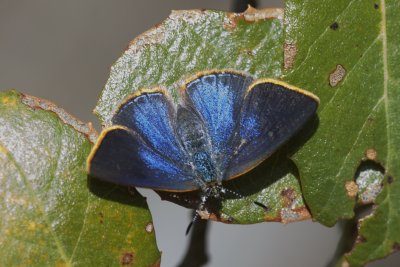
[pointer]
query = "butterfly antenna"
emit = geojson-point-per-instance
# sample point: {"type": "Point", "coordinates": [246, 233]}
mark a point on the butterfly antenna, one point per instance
{"type": "Point", "coordinates": [200, 208]}
{"type": "Point", "coordinates": [195, 217]}
{"type": "Point", "coordinates": [241, 196]}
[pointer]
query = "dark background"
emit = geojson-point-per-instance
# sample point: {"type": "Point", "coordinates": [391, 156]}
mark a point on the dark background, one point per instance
{"type": "Point", "coordinates": [62, 50]}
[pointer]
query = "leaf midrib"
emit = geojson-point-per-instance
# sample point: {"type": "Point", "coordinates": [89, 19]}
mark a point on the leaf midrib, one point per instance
{"type": "Point", "coordinates": [385, 82]}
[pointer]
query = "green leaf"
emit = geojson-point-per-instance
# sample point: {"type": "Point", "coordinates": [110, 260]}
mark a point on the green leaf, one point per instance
{"type": "Point", "coordinates": [273, 183]}
{"type": "Point", "coordinates": [192, 41]}
{"type": "Point", "coordinates": [348, 53]}
{"type": "Point", "coordinates": [48, 215]}
{"type": "Point", "coordinates": [379, 234]}
{"type": "Point", "coordinates": [281, 194]}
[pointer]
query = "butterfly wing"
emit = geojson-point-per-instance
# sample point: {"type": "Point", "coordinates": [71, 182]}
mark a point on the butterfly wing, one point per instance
{"type": "Point", "coordinates": [142, 149]}
{"type": "Point", "coordinates": [121, 157]}
{"type": "Point", "coordinates": [151, 115]}
{"type": "Point", "coordinates": [217, 97]}
{"type": "Point", "coordinates": [272, 112]}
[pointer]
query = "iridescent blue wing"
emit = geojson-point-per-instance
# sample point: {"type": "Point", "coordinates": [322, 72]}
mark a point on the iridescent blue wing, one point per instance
{"type": "Point", "coordinates": [272, 112]}
{"type": "Point", "coordinates": [152, 116]}
{"type": "Point", "coordinates": [121, 156]}
{"type": "Point", "coordinates": [143, 150]}
{"type": "Point", "coordinates": [217, 97]}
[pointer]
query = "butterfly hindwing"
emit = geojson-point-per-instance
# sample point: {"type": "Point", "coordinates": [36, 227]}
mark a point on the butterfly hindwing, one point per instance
{"type": "Point", "coordinates": [122, 157]}
{"type": "Point", "coordinates": [272, 112]}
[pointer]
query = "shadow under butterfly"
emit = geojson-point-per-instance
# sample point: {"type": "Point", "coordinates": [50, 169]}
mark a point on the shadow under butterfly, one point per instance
{"type": "Point", "coordinates": [225, 124]}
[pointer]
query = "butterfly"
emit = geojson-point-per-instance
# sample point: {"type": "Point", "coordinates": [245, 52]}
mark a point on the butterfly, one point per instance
{"type": "Point", "coordinates": [224, 124]}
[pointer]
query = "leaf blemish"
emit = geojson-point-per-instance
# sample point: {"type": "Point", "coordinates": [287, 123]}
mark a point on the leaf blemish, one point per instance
{"type": "Point", "coordinates": [390, 179]}
{"type": "Point", "coordinates": [371, 154]}
{"type": "Point", "coordinates": [252, 14]}
{"type": "Point", "coordinates": [248, 52]}
{"type": "Point", "coordinates": [9, 101]}
{"type": "Point", "coordinates": [369, 178]}
{"type": "Point", "coordinates": [37, 103]}
{"type": "Point", "coordinates": [376, 6]}
{"type": "Point", "coordinates": [334, 26]}
{"type": "Point", "coordinates": [289, 55]}
{"type": "Point", "coordinates": [294, 215]}
{"type": "Point", "coordinates": [127, 258]}
{"type": "Point", "coordinates": [289, 196]}
{"type": "Point", "coordinates": [337, 75]}
{"type": "Point", "coordinates": [351, 188]}
{"type": "Point", "coordinates": [149, 227]}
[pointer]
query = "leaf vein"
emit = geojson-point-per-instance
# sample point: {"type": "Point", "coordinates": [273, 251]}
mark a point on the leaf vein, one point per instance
{"type": "Point", "coordinates": [81, 231]}
{"type": "Point", "coordinates": [37, 201]}
{"type": "Point", "coordinates": [325, 206]}
{"type": "Point", "coordinates": [310, 48]}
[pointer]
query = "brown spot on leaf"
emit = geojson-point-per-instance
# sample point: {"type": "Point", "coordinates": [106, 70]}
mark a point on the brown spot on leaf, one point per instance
{"type": "Point", "coordinates": [289, 195]}
{"type": "Point", "coordinates": [390, 179]}
{"type": "Point", "coordinates": [38, 103]}
{"type": "Point", "coordinates": [230, 220]}
{"type": "Point", "coordinates": [252, 15]}
{"type": "Point", "coordinates": [294, 215]}
{"type": "Point", "coordinates": [149, 227]}
{"type": "Point", "coordinates": [289, 55]}
{"type": "Point", "coordinates": [127, 258]}
{"type": "Point", "coordinates": [157, 263]}
{"type": "Point", "coordinates": [337, 75]}
{"type": "Point", "coordinates": [351, 188]}
{"type": "Point", "coordinates": [371, 154]}
{"type": "Point", "coordinates": [206, 215]}
{"type": "Point", "coordinates": [376, 6]}
{"type": "Point", "coordinates": [248, 52]}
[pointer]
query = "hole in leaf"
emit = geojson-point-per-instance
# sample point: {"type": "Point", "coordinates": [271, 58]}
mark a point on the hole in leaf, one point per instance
{"type": "Point", "coordinates": [369, 178]}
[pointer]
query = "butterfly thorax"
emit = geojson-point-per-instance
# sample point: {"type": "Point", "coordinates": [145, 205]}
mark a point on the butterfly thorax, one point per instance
{"type": "Point", "coordinates": [197, 144]}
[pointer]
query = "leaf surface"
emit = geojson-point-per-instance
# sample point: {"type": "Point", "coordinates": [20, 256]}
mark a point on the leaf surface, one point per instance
{"type": "Point", "coordinates": [347, 52]}
{"type": "Point", "coordinates": [49, 217]}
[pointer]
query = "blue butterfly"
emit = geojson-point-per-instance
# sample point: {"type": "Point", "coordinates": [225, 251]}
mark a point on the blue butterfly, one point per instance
{"type": "Point", "coordinates": [225, 124]}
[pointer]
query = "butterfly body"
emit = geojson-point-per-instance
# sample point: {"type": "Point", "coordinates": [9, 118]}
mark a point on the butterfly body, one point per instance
{"type": "Point", "coordinates": [225, 124]}
{"type": "Point", "coordinates": [196, 144]}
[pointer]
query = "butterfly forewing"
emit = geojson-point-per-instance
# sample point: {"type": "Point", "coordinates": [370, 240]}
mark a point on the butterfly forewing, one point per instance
{"type": "Point", "coordinates": [152, 116]}
{"type": "Point", "coordinates": [217, 97]}
{"type": "Point", "coordinates": [272, 112]}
